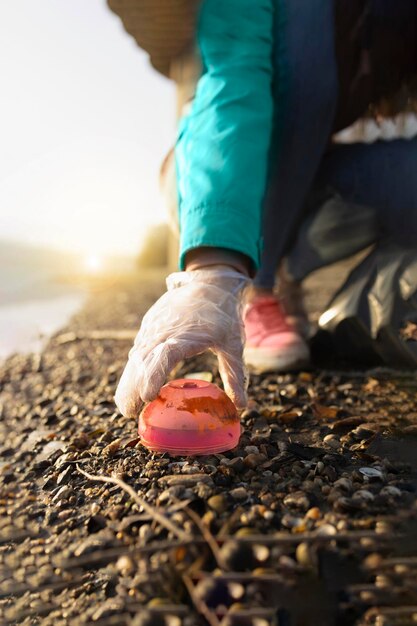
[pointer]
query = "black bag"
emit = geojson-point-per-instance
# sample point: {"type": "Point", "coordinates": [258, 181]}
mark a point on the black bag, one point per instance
{"type": "Point", "coordinates": [373, 316]}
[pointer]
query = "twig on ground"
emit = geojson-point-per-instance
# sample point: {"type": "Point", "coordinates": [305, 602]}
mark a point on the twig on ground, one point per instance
{"type": "Point", "coordinates": [153, 511]}
{"type": "Point", "coordinates": [207, 535]}
{"type": "Point", "coordinates": [96, 335]}
{"type": "Point", "coordinates": [199, 605]}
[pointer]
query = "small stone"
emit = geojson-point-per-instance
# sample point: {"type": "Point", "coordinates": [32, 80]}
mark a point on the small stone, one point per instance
{"type": "Point", "coordinates": [304, 555]}
{"type": "Point", "coordinates": [391, 491]}
{"type": "Point", "coordinates": [251, 450]}
{"type": "Point", "coordinates": [240, 494]}
{"type": "Point", "coordinates": [62, 494]}
{"type": "Point", "coordinates": [345, 425]}
{"type": "Point", "coordinates": [297, 500]}
{"type": "Point", "coordinates": [295, 523]}
{"type": "Point", "coordinates": [237, 464]}
{"type": "Point", "coordinates": [218, 503]}
{"type": "Point", "coordinates": [313, 513]}
{"type": "Point", "coordinates": [332, 441]}
{"type": "Point", "coordinates": [112, 606]}
{"type": "Point", "coordinates": [261, 553]}
{"type": "Point", "coordinates": [65, 475]}
{"type": "Point", "coordinates": [347, 505]}
{"type": "Point", "coordinates": [383, 527]}
{"type": "Point", "coordinates": [287, 562]}
{"type": "Point", "coordinates": [95, 508]}
{"type": "Point", "coordinates": [362, 433]}
{"type": "Point", "coordinates": [371, 472]}
{"type": "Point", "coordinates": [238, 556]}
{"type": "Point", "coordinates": [343, 483]}
{"type": "Point", "coordinates": [363, 494]}
{"type": "Point", "coordinates": [112, 448]}
{"type": "Point", "coordinates": [253, 461]}
{"type": "Point", "coordinates": [330, 473]}
{"type": "Point", "coordinates": [326, 530]}
{"type": "Point", "coordinates": [383, 581]}
{"type": "Point", "coordinates": [373, 561]}
{"type": "Point", "coordinates": [125, 565]}
{"type": "Point", "coordinates": [96, 523]}
{"type": "Point", "coordinates": [189, 480]}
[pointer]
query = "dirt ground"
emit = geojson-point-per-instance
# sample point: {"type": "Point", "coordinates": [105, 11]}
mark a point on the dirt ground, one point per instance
{"type": "Point", "coordinates": [311, 521]}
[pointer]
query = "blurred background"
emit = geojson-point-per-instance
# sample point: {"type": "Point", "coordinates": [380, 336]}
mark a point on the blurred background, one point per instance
{"type": "Point", "coordinates": [85, 124]}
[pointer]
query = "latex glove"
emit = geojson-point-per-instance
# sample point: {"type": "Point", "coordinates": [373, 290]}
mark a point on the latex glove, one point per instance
{"type": "Point", "coordinates": [201, 310]}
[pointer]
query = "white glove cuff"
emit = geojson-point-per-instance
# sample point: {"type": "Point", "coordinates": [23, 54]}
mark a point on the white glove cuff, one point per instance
{"type": "Point", "coordinates": [228, 279]}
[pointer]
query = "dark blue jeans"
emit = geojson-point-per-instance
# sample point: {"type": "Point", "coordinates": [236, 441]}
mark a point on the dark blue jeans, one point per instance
{"type": "Point", "coordinates": [375, 185]}
{"type": "Point", "coordinates": [362, 194]}
{"type": "Point", "coordinates": [305, 39]}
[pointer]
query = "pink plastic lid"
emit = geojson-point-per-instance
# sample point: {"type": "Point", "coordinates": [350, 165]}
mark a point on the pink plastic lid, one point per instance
{"type": "Point", "coordinates": [190, 417]}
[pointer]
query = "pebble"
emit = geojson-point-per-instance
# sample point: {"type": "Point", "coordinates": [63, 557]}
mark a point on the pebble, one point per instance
{"type": "Point", "coordinates": [95, 508]}
{"type": "Point", "coordinates": [65, 475]}
{"type": "Point", "coordinates": [371, 472]}
{"type": "Point", "coordinates": [345, 425]}
{"type": "Point", "coordinates": [346, 505]}
{"type": "Point", "coordinates": [297, 500]}
{"type": "Point", "coordinates": [112, 448]}
{"type": "Point", "coordinates": [63, 493]}
{"type": "Point", "coordinates": [255, 460]}
{"type": "Point", "coordinates": [332, 441]}
{"type": "Point", "coordinates": [188, 480]}
{"type": "Point", "coordinates": [295, 523]}
{"type": "Point", "coordinates": [125, 565]}
{"type": "Point", "coordinates": [239, 493]}
{"type": "Point", "coordinates": [363, 494]}
{"type": "Point", "coordinates": [391, 491]}
{"type": "Point", "coordinates": [319, 467]}
{"type": "Point", "coordinates": [313, 513]}
{"type": "Point", "coordinates": [237, 464]}
{"type": "Point", "coordinates": [109, 607]}
{"type": "Point", "coordinates": [218, 503]}
{"type": "Point", "coordinates": [251, 450]}
{"type": "Point", "coordinates": [304, 554]}
{"type": "Point", "coordinates": [261, 553]}
{"type": "Point", "coordinates": [326, 530]}
{"type": "Point", "coordinates": [343, 483]}
{"type": "Point", "coordinates": [362, 433]}
{"type": "Point", "coordinates": [238, 556]}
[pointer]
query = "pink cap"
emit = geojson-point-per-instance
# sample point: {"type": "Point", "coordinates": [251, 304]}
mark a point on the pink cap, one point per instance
{"type": "Point", "coordinates": [190, 417]}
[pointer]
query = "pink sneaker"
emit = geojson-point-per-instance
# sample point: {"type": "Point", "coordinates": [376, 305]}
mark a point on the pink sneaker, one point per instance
{"type": "Point", "coordinates": [272, 343]}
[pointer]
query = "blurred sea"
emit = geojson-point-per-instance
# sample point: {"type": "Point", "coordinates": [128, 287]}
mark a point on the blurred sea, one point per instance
{"type": "Point", "coordinates": [37, 295]}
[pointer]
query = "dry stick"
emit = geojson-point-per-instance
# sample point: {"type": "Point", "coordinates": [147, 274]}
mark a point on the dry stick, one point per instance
{"type": "Point", "coordinates": [153, 511]}
{"type": "Point", "coordinates": [199, 605]}
{"type": "Point", "coordinates": [207, 535]}
{"type": "Point", "coordinates": [96, 335]}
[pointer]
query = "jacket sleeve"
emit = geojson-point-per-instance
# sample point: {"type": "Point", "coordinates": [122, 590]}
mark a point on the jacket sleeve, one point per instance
{"type": "Point", "coordinates": [223, 144]}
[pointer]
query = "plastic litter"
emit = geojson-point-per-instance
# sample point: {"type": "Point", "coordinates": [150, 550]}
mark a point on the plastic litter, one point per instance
{"type": "Point", "coordinates": [368, 316]}
{"type": "Point", "coordinates": [190, 417]}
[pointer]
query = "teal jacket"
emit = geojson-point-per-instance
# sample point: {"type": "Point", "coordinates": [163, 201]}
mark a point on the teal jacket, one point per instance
{"type": "Point", "coordinates": [222, 152]}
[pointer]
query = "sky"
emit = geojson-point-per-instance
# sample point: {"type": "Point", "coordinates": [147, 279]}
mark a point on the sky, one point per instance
{"type": "Point", "coordinates": [84, 124]}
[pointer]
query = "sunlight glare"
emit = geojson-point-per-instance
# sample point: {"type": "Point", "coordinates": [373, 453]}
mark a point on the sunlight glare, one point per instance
{"type": "Point", "coordinates": [93, 263]}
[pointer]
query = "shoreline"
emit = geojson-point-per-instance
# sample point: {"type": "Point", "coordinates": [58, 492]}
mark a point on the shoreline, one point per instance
{"type": "Point", "coordinates": [26, 324]}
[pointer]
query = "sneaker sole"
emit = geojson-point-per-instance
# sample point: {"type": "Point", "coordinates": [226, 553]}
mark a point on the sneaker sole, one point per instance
{"type": "Point", "coordinates": [261, 360]}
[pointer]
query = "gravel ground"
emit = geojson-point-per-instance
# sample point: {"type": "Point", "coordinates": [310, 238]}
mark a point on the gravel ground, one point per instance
{"type": "Point", "coordinates": [310, 521]}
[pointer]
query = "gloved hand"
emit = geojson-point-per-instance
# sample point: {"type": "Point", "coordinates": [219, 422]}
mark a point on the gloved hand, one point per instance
{"type": "Point", "coordinates": [201, 310]}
